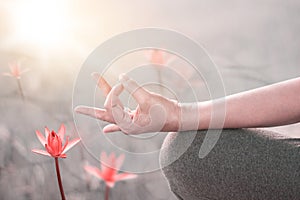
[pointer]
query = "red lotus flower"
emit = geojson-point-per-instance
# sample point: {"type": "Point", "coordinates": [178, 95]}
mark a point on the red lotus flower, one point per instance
{"type": "Point", "coordinates": [15, 70]}
{"type": "Point", "coordinates": [109, 168]}
{"type": "Point", "coordinates": [53, 143]}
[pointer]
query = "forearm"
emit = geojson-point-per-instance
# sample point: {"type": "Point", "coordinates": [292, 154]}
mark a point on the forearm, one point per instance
{"type": "Point", "coordinates": [274, 105]}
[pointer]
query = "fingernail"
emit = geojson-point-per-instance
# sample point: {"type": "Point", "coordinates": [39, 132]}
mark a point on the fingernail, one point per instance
{"type": "Point", "coordinates": [105, 131]}
{"type": "Point", "coordinates": [77, 109]}
{"type": "Point", "coordinates": [123, 77]}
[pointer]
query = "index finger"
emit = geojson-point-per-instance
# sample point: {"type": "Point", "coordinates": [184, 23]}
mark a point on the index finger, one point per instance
{"type": "Point", "coordinates": [112, 98]}
{"type": "Point", "coordinates": [102, 83]}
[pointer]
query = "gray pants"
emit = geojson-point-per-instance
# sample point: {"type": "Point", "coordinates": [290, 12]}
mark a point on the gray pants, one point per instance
{"type": "Point", "coordinates": [244, 164]}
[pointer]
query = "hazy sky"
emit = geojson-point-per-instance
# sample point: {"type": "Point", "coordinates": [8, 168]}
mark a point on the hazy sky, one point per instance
{"type": "Point", "coordinates": [258, 38]}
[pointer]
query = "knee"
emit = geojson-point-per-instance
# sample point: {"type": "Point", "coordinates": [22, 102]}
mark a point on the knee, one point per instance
{"type": "Point", "coordinates": [244, 164]}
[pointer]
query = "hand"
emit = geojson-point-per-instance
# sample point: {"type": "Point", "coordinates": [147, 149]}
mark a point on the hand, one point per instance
{"type": "Point", "coordinates": [153, 112]}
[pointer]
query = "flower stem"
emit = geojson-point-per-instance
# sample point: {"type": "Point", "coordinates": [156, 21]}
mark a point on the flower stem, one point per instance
{"type": "Point", "coordinates": [61, 189]}
{"type": "Point", "coordinates": [20, 89]}
{"type": "Point", "coordinates": [160, 81]}
{"type": "Point", "coordinates": [106, 192]}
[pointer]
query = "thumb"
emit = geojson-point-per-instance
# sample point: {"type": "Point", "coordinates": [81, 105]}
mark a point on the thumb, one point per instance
{"type": "Point", "coordinates": [139, 93]}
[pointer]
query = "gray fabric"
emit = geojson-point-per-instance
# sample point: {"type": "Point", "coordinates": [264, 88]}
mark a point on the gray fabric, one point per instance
{"type": "Point", "coordinates": [244, 164]}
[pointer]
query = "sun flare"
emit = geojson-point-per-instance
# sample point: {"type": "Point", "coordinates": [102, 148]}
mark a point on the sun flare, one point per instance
{"type": "Point", "coordinates": [41, 23]}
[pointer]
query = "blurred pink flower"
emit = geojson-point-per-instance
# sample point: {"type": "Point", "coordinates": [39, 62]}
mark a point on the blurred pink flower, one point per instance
{"type": "Point", "coordinates": [109, 168]}
{"type": "Point", "coordinates": [157, 57]}
{"type": "Point", "coordinates": [53, 143]}
{"type": "Point", "coordinates": [160, 57]}
{"type": "Point", "coordinates": [15, 70]}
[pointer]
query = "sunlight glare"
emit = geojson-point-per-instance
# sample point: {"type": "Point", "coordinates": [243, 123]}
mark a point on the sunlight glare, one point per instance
{"type": "Point", "coordinates": [41, 22]}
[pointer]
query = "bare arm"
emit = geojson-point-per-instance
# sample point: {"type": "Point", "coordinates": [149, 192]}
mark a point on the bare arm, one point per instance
{"type": "Point", "coordinates": [273, 105]}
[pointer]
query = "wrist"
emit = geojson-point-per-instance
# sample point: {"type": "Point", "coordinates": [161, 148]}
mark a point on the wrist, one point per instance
{"type": "Point", "coordinates": [173, 120]}
{"type": "Point", "coordinates": [189, 116]}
